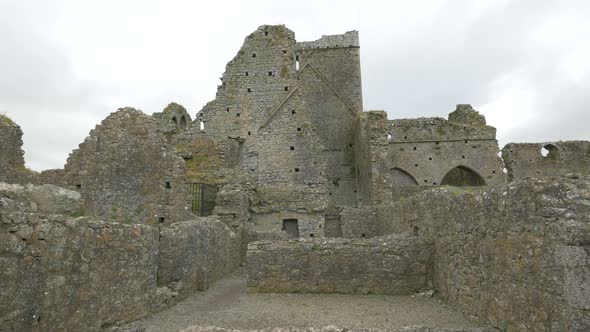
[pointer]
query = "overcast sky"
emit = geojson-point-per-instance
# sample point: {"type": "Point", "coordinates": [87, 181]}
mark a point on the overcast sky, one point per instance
{"type": "Point", "coordinates": [66, 64]}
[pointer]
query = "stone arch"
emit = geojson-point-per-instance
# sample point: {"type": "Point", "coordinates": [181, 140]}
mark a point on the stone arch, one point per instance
{"type": "Point", "coordinates": [182, 123]}
{"type": "Point", "coordinates": [401, 178]}
{"type": "Point", "coordinates": [550, 152]}
{"type": "Point", "coordinates": [462, 176]}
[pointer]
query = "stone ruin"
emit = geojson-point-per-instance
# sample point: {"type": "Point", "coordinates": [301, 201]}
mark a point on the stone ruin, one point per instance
{"type": "Point", "coordinates": [284, 171]}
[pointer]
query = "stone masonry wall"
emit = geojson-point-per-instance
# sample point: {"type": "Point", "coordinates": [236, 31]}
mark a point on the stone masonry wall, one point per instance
{"type": "Point", "coordinates": [559, 158]}
{"type": "Point", "coordinates": [330, 80]}
{"type": "Point", "coordinates": [194, 254]}
{"type": "Point", "coordinates": [396, 264]}
{"type": "Point", "coordinates": [515, 256]}
{"type": "Point", "coordinates": [126, 171]}
{"type": "Point", "coordinates": [426, 151]}
{"type": "Point", "coordinates": [12, 161]}
{"type": "Point", "coordinates": [73, 274]}
{"type": "Point", "coordinates": [84, 274]}
{"type": "Point", "coordinates": [371, 157]}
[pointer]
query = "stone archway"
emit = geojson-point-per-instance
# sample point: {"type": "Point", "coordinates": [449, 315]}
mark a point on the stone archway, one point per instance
{"type": "Point", "coordinates": [462, 176]}
{"type": "Point", "coordinates": [401, 178]}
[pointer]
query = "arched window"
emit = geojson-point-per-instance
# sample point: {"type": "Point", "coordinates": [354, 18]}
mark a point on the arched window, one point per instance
{"type": "Point", "coordinates": [401, 178]}
{"type": "Point", "coordinates": [182, 124]}
{"type": "Point", "coordinates": [462, 176]}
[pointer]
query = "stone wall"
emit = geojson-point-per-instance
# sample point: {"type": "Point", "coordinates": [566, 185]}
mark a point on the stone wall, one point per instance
{"type": "Point", "coordinates": [515, 256]}
{"type": "Point", "coordinates": [12, 161]}
{"type": "Point", "coordinates": [85, 274]}
{"type": "Point", "coordinates": [73, 274]}
{"type": "Point", "coordinates": [371, 157]}
{"type": "Point", "coordinates": [395, 264]}
{"type": "Point", "coordinates": [194, 254]}
{"type": "Point", "coordinates": [330, 81]}
{"type": "Point", "coordinates": [550, 159]}
{"type": "Point", "coordinates": [358, 222]}
{"type": "Point", "coordinates": [127, 171]}
{"type": "Point", "coordinates": [290, 107]}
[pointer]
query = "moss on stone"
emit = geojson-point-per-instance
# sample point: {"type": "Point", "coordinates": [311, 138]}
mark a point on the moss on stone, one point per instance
{"type": "Point", "coordinates": [4, 118]}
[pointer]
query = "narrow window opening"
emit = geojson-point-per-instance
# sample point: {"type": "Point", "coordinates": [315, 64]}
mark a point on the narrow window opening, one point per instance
{"type": "Point", "coordinates": [246, 73]}
{"type": "Point", "coordinates": [415, 165]}
{"type": "Point", "coordinates": [405, 137]}
{"type": "Point", "coordinates": [297, 62]}
{"type": "Point", "coordinates": [270, 73]}
{"type": "Point", "coordinates": [78, 186]}
{"type": "Point", "coordinates": [388, 137]}
{"type": "Point", "coordinates": [249, 133]}
{"type": "Point", "coordinates": [253, 55]}
{"type": "Point", "coordinates": [296, 169]}
{"type": "Point", "coordinates": [363, 235]}
{"type": "Point", "coordinates": [293, 112]}
{"type": "Point", "coordinates": [249, 90]}
{"type": "Point", "coordinates": [298, 128]}
{"type": "Point", "coordinates": [284, 51]}
{"type": "Point", "coordinates": [291, 148]}
{"type": "Point", "coordinates": [167, 184]}
{"type": "Point", "coordinates": [466, 141]}
{"type": "Point", "coordinates": [414, 148]}
{"type": "Point", "coordinates": [311, 235]}
{"type": "Point", "coordinates": [161, 220]}
{"type": "Point", "coordinates": [291, 227]}
{"type": "Point", "coordinates": [238, 115]}
{"type": "Point", "coordinates": [462, 157]}
{"type": "Point", "coordinates": [286, 88]}
{"type": "Point", "coordinates": [227, 109]}
{"type": "Point", "coordinates": [202, 125]}
{"type": "Point", "coordinates": [429, 158]}
{"type": "Point", "coordinates": [416, 230]}
{"type": "Point", "coordinates": [266, 33]}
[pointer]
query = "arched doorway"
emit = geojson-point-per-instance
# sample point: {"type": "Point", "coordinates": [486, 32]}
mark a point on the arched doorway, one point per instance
{"type": "Point", "coordinates": [401, 178]}
{"type": "Point", "coordinates": [462, 176]}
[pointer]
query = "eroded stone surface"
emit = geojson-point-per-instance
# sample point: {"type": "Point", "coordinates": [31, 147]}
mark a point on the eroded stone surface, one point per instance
{"type": "Point", "coordinates": [395, 264]}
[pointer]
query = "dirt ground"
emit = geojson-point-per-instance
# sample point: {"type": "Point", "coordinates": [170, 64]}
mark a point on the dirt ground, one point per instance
{"type": "Point", "coordinates": [227, 305]}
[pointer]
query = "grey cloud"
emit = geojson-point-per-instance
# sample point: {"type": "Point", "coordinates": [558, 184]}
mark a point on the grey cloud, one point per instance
{"type": "Point", "coordinates": [410, 69]}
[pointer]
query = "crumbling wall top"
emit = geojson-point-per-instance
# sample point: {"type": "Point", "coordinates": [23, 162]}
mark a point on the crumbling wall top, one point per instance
{"type": "Point", "coordinates": [465, 114]}
{"type": "Point", "coordinates": [463, 124]}
{"type": "Point", "coordinates": [349, 39]}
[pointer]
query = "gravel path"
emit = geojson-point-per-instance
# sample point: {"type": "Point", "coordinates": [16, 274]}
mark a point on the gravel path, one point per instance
{"type": "Point", "coordinates": [227, 305]}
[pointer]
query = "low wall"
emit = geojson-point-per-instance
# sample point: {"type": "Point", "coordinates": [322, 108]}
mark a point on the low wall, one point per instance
{"type": "Point", "coordinates": [515, 256]}
{"type": "Point", "coordinates": [396, 264]}
{"type": "Point", "coordinates": [81, 274]}
{"type": "Point", "coordinates": [195, 253]}
{"type": "Point", "coordinates": [74, 274]}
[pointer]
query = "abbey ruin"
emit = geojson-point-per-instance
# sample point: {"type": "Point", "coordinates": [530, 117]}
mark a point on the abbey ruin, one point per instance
{"type": "Point", "coordinates": [284, 174]}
